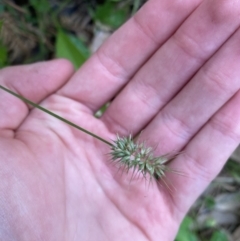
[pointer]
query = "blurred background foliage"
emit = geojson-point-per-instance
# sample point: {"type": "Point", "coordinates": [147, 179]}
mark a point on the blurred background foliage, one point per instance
{"type": "Point", "coordinates": [35, 30]}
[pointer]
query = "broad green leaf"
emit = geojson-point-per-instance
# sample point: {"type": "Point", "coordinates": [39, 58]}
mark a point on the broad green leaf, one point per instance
{"type": "Point", "coordinates": [42, 6]}
{"type": "Point", "coordinates": [110, 15]}
{"type": "Point", "coordinates": [70, 48]}
{"type": "Point", "coordinates": [219, 235]}
{"type": "Point", "coordinates": [3, 50]}
{"type": "Point", "coordinates": [80, 45]}
{"type": "Point", "coordinates": [185, 232]}
{"type": "Point", "coordinates": [3, 55]}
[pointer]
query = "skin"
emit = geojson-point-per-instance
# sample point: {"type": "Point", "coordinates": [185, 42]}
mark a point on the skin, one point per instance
{"type": "Point", "coordinates": [173, 71]}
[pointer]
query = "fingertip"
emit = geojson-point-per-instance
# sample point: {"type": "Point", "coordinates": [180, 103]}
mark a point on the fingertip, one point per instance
{"type": "Point", "coordinates": [64, 63]}
{"type": "Point", "coordinates": [33, 81]}
{"type": "Point", "coordinates": [61, 67]}
{"type": "Point", "coordinates": [37, 80]}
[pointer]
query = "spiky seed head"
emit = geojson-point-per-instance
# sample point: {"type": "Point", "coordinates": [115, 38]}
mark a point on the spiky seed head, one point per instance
{"type": "Point", "coordinates": [137, 156]}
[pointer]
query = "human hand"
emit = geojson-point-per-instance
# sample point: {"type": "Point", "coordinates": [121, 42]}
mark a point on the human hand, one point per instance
{"type": "Point", "coordinates": [182, 82]}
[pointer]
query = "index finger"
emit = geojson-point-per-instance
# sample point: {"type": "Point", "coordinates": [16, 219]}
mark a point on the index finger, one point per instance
{"type": "Point", "coordinates": [108, 70]}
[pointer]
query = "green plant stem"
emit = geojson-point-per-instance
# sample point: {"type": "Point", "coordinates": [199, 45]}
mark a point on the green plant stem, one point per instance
{"type": "Point", "coordinates": [55, 115]}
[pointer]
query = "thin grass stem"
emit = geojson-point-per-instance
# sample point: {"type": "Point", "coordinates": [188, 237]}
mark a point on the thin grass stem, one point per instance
{"type": "Point", "coordinates": [55, 115]}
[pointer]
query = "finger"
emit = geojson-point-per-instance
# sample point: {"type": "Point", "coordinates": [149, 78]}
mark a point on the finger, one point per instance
{"type": "Point", "coordinates": [205, 155]}
{"type": "Point", "coordinates": [108, 70]}
{"type": "Point", "coordinates": [158, 81]}
{"type": "Point", "coordinates": [33, 81]}
{"type": "Point", "coordinates": [204, 95]}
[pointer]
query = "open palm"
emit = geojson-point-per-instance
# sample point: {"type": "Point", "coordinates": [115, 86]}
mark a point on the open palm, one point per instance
{"type": "Point", "coordinates": [179, 83]}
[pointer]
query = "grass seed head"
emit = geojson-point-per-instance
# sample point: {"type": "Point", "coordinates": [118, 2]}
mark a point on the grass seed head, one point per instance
{"type": "Point", "coordinates": [138, 157]}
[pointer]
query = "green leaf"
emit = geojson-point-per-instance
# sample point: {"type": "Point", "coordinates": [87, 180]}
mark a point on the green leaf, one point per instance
{"type": "Point", "coordinates": [71, 48]}
{"type": "Point", "coordinates": [233, 168]}
{"type": "Point", "coordinates": [185, 232]}
{"type": "Point", "coordinates": [42, 6]}
{"type": "Point", "coordinates": [3, 50]}
{"type": "Point", "coordinates": [100, 112]}
{"type": "Point", "coordinates": [3, 55]}
{"type": "Point", "coordinates": [136, 6]}
{"type": "Point", "coordinates": [80, 45]}
{"type": "Point", "coordinates": [219, 235]}
{"type": "Point", "coordinates": [210, 223]}
{"type": "Point", "coordinates": [110, 15]}
{"type": "Point", "coordinates": [209, 202]}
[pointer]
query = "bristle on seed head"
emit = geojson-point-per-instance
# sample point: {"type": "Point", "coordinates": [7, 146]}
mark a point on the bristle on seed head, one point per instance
{"type": "Point", "coordinates": [138, 157]}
